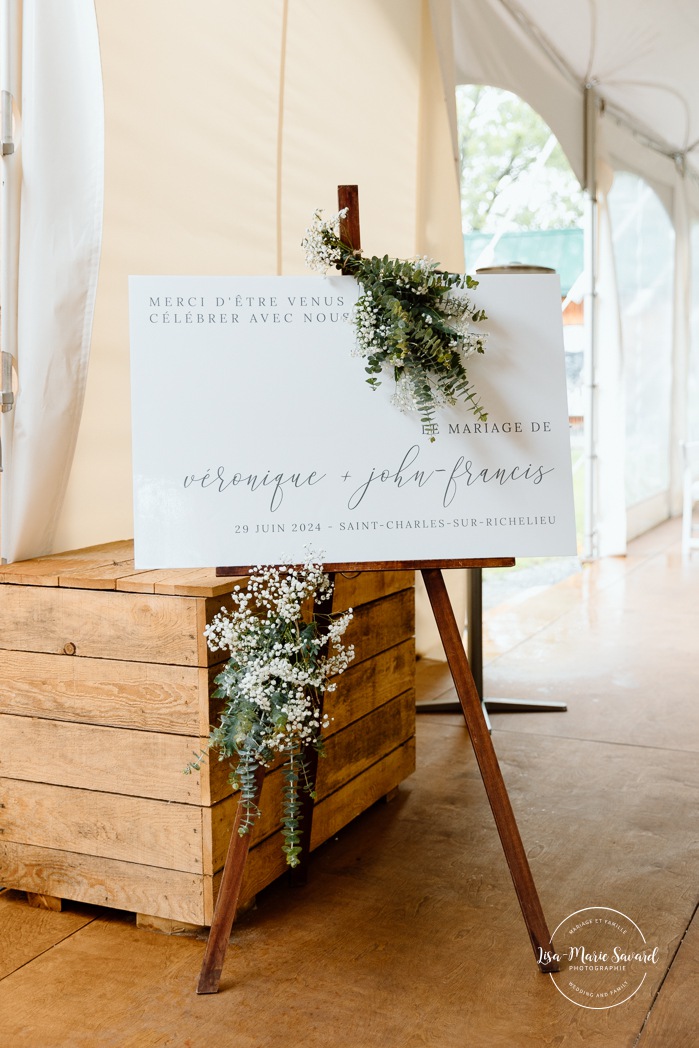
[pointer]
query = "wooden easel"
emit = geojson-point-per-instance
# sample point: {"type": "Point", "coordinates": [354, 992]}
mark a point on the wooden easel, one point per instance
{"type": "Point", "coordinates": [469, 699]}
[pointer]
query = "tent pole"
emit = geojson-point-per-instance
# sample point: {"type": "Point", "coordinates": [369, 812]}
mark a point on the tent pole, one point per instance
{"type": "Point", "coordinates": [9, 77]}
{"type": "Point", "coordinates": [9, 74]}
{"type": "Point", "coordinates": [591, 544]}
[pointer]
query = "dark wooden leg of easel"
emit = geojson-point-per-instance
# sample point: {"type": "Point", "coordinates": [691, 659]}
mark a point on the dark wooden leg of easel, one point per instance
{"type": "Point", "coordinates": [489, 768]}
{"type": "Point", "coordinates": [227, 902]}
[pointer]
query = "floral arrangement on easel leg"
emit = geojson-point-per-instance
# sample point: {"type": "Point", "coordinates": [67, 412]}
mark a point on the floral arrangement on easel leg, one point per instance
{"type": "Point", "coordinates": [412, 320]}
{"type": "Point", "coordinates": [273, 684]}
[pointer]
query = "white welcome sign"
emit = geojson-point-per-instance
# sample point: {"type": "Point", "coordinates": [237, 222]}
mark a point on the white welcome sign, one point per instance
{"type": "Point", "coordinates": [255, 435]}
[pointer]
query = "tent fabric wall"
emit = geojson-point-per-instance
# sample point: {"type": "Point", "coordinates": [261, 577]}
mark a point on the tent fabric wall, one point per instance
{"type": "Point", "coordinates": [620, 149]}
{"type": "Point", "coordinates": [227, 125]}
{"type": "Point", "coordinates": [59, 179]}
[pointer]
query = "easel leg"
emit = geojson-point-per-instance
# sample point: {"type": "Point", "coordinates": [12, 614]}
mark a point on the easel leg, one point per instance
{"type": "Point", "coordinates": [227, 901]}
{"type": "Point", "coordinates": [489, 768]}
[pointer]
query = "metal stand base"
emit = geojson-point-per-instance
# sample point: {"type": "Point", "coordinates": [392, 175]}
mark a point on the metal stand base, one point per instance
{"type": "Point", "coordinates": [496, 706]}
{"type": "Point", "coordinates": [474, 649]}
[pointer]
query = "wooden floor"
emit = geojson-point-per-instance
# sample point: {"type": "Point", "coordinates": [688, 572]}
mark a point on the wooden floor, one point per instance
{"type": "Point", "coordinates": [409, 933]}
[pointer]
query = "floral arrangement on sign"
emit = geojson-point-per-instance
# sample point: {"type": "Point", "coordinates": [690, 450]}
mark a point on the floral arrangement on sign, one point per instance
{"type": "Point", "coordinates": [412, 320]}
{"type": "Point", "coordinates": [280, 666]}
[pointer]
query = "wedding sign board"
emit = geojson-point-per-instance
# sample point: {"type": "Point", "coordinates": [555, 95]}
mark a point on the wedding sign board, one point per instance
{"type": "Point", "coordinates": [255, 435]}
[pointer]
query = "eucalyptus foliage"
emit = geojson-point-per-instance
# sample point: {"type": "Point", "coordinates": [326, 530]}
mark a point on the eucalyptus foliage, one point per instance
{"type": "Point", "coordinates": [272, 685]}
{"type": "Point", "coordinates": [413, 321]}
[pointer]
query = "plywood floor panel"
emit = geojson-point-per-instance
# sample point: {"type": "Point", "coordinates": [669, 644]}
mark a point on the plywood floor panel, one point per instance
{"type": "Point", "coordinates": [28, 931]}
{"type": "Point", "coordinates": [673, 1021]}
{"type": "Point", "coordinates": [622, 657]}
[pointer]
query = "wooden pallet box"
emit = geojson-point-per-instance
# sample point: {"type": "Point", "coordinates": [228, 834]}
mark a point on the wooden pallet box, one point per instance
{"type": "Point", "coordinates": [105, 684]}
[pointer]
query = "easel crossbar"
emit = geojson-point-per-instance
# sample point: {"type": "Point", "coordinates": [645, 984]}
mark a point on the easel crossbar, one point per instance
{"type": "Point", "coordinates": [392, 565]}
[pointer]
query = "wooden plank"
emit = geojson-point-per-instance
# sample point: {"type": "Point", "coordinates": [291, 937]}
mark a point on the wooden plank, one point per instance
{"type": "Point", "coordinates": [352, 590]}
{"type": "Point", "coordinates": [381, 624]}
{"type": "Point", "coordinates": [179, 582]}
{"type": "Point", "coordinates": [46, 571]}
{"type": "Point", "coordinates": [128, 626]}
{"type": "Point", "coordinates": [103, 552]}
{"type": "Point", "coordinates": [377, 624]}
{"type": "Point", "coordinates": [91, 757]}
{"type": "Point", "coordinates": [135, 829]}
{"type": "Point", "coordinates": [30, 573]}
{"type": "Point", "coordinates": [674, 1016]}
{"type": "Point", "coordinates": [102, 882]}
{"type": "Point", "coordinates": [369, 684]}
{"type": "Point", "coordinates": [364, 741]}
{"type": "Point", "coordinates": [153, 697]}
{"type": "Point", "coordinates": [204, 582]}
{"type": "Point", "coordinates": [196, 582]}
{"type": "Point", "coordinates": [104, 576]}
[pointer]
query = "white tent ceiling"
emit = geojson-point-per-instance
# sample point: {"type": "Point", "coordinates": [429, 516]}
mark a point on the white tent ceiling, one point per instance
{"type": "Point", "coordinates": [639, 55]}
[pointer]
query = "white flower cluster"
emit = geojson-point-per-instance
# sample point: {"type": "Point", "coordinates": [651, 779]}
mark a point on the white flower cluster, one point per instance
{"type": "Point", "coordinates": [278, 668]}
{"type": "Point", "coordinates": [372, 330]}
{"type": "Point", "coordinates": [405, 399]}
{"type": "Point", "coordinates": [320, 242]}
{"type": "Point", "coordinates": [404, 395]}
{"type": "Point", "coordinates": [457, 310]}
{"type": "Point", "coordinates": [420, 264]}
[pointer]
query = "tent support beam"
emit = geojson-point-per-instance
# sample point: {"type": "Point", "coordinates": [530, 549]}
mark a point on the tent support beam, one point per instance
{"type": "Point", "coordinates": [9, 88]}
{"type": "Point", "coordinates": [590, 102]}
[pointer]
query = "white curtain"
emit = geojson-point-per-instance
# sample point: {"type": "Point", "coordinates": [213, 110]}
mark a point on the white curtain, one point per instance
{"type": "Point", "coordinates": [61, 190]}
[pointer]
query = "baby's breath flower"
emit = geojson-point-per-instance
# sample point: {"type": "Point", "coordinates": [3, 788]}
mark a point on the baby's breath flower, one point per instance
{"type": "Point", "coordinates": [321, 242]}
